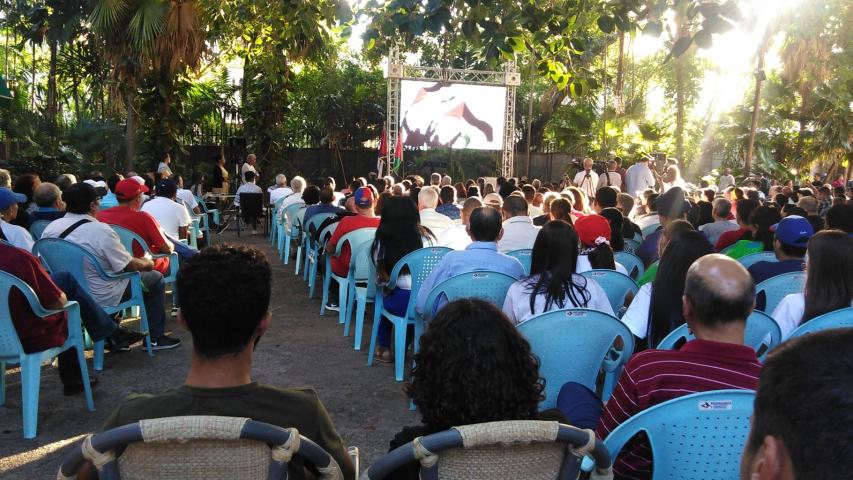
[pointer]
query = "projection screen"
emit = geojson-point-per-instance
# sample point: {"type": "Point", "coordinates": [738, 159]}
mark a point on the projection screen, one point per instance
{"type": "Point", "coordinates": [456, 115]}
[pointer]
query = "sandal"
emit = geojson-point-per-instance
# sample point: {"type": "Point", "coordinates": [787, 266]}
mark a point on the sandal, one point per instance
{"type": "Point", "coordinates": [383, 355]}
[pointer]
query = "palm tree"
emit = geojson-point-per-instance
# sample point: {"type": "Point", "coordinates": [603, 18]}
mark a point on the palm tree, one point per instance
{"type": "Point", "coordinates": [142, 36]}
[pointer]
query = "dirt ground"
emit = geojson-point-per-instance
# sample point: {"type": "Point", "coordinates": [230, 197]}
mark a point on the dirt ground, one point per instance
{"type": "Point", "coordinates": [301, 348]}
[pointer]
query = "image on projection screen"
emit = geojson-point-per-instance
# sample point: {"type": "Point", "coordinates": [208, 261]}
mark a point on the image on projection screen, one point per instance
{"type": "Point", "coordinates": [453, 115]}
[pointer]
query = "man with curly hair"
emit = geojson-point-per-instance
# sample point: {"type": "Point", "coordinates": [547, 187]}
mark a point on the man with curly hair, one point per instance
{"type": "Point", "coordinates": [225, 330]}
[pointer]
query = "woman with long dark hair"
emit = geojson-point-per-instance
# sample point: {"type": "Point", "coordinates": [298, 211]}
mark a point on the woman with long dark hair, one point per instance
{"type": "Point", "coordinates": [616, 221]}
{"type": "Point", "coordinates": [400, 232]}
{"type": "Point", "coordinates": [829, 281]}
{"type": "Point", "coordinates": [657, 309]}
{"type": "Point", "coordinates": [553, 283]}
{"type": "Point", "coordinates": [473, 367]}
{"type": "Point", "coordinates": [759, 238]}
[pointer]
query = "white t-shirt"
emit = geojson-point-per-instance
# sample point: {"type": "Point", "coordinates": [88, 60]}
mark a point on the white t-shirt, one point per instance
{"type": "Point", "coordinates": [455, 237]}
{"type": "Point", "coordinates": [17, 236]}
{"type": "Point", "coordinates": [519, 233]}
{"type": "Point", "coordinates": [170, 214]}
{"type": "Point", "coordinates": [277, 193]}
{"type": "Point", "coordinates": [615, 180]}
{"type": "Point", "coordinates": [789, 313]}
{"type": "Point", "coordinates": [639, 177]}
{"type": "Point", "coordinates": [103, 242]}
{"type": "Point", "coordinates": [517, 303]}
{"type": "Point", "coordinates": [247, 168]}
{"type": "Point", "coordinates": [726, 181]}
{"type": "Point", "coordinates": [587, 182]}
{"type": "Point", "coordinates": [636, 318]}
{"type": "Point", "coordinates": [187, 198]}
{"type": "Point", "coordinates": [163, 169]}
{"type": "Point", "coordinates": [435, 222]}
{"type": "Point", "coordinates": [584, 265]}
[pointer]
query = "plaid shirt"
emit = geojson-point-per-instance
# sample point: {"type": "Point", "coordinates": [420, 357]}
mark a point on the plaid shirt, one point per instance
{"type": "Point", "coordinates": [655, 376]}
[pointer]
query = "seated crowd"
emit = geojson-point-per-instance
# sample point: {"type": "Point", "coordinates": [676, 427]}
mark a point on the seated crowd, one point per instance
{"type": "Point", "coordinates": [473, 365]}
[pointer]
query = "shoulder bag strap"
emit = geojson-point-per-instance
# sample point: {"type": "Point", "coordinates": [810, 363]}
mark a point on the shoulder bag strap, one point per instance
{"type": "Point", "coordinates": [73, 227]}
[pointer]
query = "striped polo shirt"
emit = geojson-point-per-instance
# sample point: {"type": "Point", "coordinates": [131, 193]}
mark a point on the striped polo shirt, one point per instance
{"type": "Point", "coordinates": [655, 376]}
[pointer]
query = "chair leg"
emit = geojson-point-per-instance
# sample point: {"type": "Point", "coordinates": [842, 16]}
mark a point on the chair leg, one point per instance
{"type": "Point", "coordinates": [374, 330]}
{"type": "Point", "coordinates": [286, 258]}
{"type": "Point", "coordinates": [298, 256]}
{"type": "Point", "coordinates": [361, 304]}
{"type": "Point", "coordinates": [399, 351]}
{"type": "Point", "coordinates": [30, 383]}
{"type": "Point", "coordinates": [143, 324]}
{"type": "Point", "coordinates": [343, 290]}
{"type": "Point", "coordinates": [327, 277]}
{"type": "Point", "coordinates": [350, 300]}
{"type": "Point", "coordinates": [84, 375]}
{"type": "Point", "coordinates": [98, 356]}
{"type": "Point", "coordinates": [312, 276]}
{"type": "Point", "coordinates": [310, 259]}
{"type": "Point", "coordinates": [2, 384]}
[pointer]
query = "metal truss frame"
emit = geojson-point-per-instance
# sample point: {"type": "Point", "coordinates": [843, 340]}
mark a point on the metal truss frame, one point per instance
{"type": "Point", "coordinates": [398, 71]}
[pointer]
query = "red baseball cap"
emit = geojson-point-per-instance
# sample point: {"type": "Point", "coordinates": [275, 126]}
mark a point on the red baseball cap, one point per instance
{"type": "Point", "coordinates": [592, 229]}
{"type": "Point", "coordinates": [128, 189]}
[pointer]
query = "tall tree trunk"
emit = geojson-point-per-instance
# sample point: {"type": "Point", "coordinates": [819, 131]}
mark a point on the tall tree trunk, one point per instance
{"type": "Point", "coordinates": [803, 120]}
{"type": "Point", "coordinates": [619, 90]}
{"type": "Point", "coordinates": [52, 101]}
{"type": "Point", "coordinates": [131, 131]}
{"type": "Point", "coordinates": [756, 105]}
{"type": "Point", "coordinates": [679, 109]}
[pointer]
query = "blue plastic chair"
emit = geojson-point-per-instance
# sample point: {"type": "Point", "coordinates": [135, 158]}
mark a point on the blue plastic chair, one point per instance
{"type": "Point", "coordinates": [615, 284]}
{"type": "Point", "coordinates": [523, 255]}
{"type": "Point", "coordinates": [650, 229]}
{"type": "Point", "coordinates": [838, 319]}
{"type": "Point", "coordinates": [128, 238]}
{"type": "Point", "coordinates": [37, 227]}
{"type": "Point", "coordinates": [309, 246]}
{"type": "Point", "coordinates": [288, 235]}
{"type": "Point", "coordinates": [695, 437]}
{"type": "Point", "coordinates": [762, 334]}
{"type": "Point", "coordinates": [776, 288]}
{"type": "Point", "coordinates": [632, 263]}
{"type": "Point", "coordinates": [362, 289]}
{"type": "Point", "coordinates": [274, 229]}
{"type": "Point", "coordinates": [63, 256]}
{"type": "Point", "coordinates": [355, 239]}
{"type": "Point", "coordinates": [420, 264]}
{"type": "Point", "coordinates": [206, 214]}
{"type": "Point", "coordinates": [314, 254]}
{"type": "Point", "coordinates": [483, 284]}
{"type": "Point", "coordinates": [754, 258]}
{"type": "Point", "coordinates": [573, 345]}
{"type": "Point", "coordinates": [634, 242]}
{"type": "Point", "coordinates": [12, 352]}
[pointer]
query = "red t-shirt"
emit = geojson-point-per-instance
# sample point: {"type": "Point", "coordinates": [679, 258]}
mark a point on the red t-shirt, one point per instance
{"type": "Point", "coordinates": [729, 238]}
{"type": "Point", "coordinates": [36, 333]}
{"type": "Point", "coordinates": [142, 224]}
{"type": "Point", "coordinates": [340, 264]}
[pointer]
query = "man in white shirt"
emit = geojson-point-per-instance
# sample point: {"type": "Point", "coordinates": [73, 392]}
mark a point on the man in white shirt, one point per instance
{"type": "Point", "coordinates": [248, 166]}
{"type": "Point", "coordinates": [163, 170]}
{"type": "Point", "coordinates": [611, 177]}
{"type": "Point", "coordinates": [186, 197]}
{"type": "Point", "coordinates": [13, 234]}
{"type": "Point", "coordinates": [171, 215]}
{"type": "Point", "coordinates": [519, 231]}
{"type": "Point", "coordinates": [456, 237]}
{"type": "Point", "coordinates": [726, 179]}
{"type": "Point", "coordinates": [436, 222]}
{"type": "Point", "coordinates": [280, 189]}
{"type": "Point", "coordinates": [249, 187]}
{"type": "Point", "coordinates": [79, 226]}
{"type": "Point", "coordinates": [639, 177]}
{"type": "Point", "coordinates": [297, 186]}
{"type": "Point", "coordinates": [586, 179]}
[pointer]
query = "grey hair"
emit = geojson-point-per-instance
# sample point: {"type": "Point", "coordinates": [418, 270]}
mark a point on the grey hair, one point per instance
{"type": "Point", "coordinates": [46, 194]}
{"type": "Point", "coordinates": [297, 184]}
{"type": "Point", "coordinates": [281, 180]}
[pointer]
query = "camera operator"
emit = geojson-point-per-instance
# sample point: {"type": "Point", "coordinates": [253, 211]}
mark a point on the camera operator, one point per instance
{"type": "Point", "coordinates": [587, 179]}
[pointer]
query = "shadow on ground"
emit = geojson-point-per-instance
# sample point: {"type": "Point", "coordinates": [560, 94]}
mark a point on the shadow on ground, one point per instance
{"type": "Point", "coordinates": [301, 348]}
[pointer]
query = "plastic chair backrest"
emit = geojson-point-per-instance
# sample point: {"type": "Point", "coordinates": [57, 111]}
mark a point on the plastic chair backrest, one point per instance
{"type": "Point", "coordinates": [527, 449]}
{"type": "Point", "coordinates": [64, 256]}
{"type": "Point", "coordinates": [355, 239]}
{"type": "Point", "coordinates": [10, 343]}
{"type": "Point", "coordinates": [754, 258]}
{"type": "Point", "coordinates": [572, 345]}
{"type": "Point", "coordinates": [615, 284]}
{"type": "Point", "coordinates": [251, 205]}
{"type": "Point", "coordinates": [129, 238]}
{"type": "Point", "coordinates": [361, 262]}
{"type": "Point", "coordinates": [635, 244]}
{"type": "Point", "coordinates": [315, 221]}
{"type": "Point", "coordinates": [37, 228]}
{"type": "Point", "coordinates": [484, 284]}
{"type": "Point", "coordinates": [776, 288]}
{"type": "Point", "coordinates": [420, 264]}
{"type": "Point", "coordinates": [650, 229]}
{"type": "Point", "coordinates": [759, 326]}
{"type": "Point", "coordinates": [290, 210]}
{"type": "Point", "coordinates": [695, 437]}
{"type": "Point", "coordinates": [196, 447]}
{"type": "Point", "coordinates": [523, 255]}
{"type": "Point", "coordinates": [631, 262]}
{"type": "Point", "coordinates": [838, 319]}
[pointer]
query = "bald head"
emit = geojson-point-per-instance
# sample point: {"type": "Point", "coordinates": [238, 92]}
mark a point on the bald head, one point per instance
{"type": "Point", "coordinates": [718, 291]}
